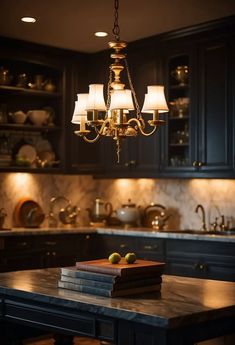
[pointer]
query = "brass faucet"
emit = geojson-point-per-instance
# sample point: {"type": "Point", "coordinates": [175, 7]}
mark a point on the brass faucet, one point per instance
{"type": "Point", "coordinates": [222, 225]}
{"type": "Point", "coordinates": [200, 207]}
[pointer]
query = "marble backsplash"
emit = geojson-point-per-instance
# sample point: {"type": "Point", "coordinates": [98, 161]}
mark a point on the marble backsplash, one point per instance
{"type": "Point", "coordinates": [180, 197]}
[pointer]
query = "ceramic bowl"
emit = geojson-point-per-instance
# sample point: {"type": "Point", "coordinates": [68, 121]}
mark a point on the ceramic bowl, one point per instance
{"type": "Point", "coordinates": [19, 117]}
{"type": "Point", "coordinates": [38, 117]}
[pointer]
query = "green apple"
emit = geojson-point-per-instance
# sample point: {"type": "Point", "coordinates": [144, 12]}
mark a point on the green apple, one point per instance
{"type": "Point", "coordinates": [130, 258]}
{"type": "Point", "coordinates": [114, 258]}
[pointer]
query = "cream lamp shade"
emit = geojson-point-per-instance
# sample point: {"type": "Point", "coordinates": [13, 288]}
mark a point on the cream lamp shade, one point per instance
{"type": "Point", "coordinates": [121, 99]}
{"type": "Point", "coordinates": [96, 98]}
{"type": "Point", "coordinates": [79, 109]}
{"type": "Point", "coordinates": [155, 100]}
{"type": "Point", "coordinates": [80, 113]}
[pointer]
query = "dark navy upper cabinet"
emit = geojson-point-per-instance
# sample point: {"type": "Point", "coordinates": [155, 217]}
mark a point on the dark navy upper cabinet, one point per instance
{"type": "Point", "coordinates": [180, 132]}
{"type": "Point", "coordinates": [197, 67]}
{"type": "Point", "coordinates": [199, 134]}
{"type": "Point", "coordinates": [215, 107]}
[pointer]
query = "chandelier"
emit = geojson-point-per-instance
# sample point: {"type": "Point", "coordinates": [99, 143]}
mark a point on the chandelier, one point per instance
{"type": "Point", "coordinates": [113, 119]}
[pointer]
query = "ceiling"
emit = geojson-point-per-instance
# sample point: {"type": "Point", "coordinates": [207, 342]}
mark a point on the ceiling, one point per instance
{"type": "Point", "coordinates": [71, 24]}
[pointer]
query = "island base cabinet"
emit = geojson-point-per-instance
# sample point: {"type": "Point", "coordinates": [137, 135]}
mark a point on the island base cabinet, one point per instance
{"type": "Point", "coordinates": [129, 333]}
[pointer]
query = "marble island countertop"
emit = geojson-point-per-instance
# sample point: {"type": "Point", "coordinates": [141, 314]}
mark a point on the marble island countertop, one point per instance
{"type": "Point", "coordinates": [140, 232]}
{"type": "Point", "coordinates": [182, 301]}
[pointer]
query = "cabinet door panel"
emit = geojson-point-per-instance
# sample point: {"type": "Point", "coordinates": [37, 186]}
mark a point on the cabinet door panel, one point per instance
{"type": "Point", "coordinates": [107, 244]}
{"type": "Point", "coordinates": [150, 249]}
{"type": "Point", "coordinates": [180, 132]}
{"type": "Point", "coordinates": [215, 108]}
{"type": "Point", "coordinates": [81, 157]}
{"type": "Point", "coordinates": [145, 71]}
{"type": "Point", "coordinates": [127, 157]}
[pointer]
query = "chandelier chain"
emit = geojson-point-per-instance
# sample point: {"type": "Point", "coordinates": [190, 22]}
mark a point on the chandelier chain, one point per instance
{"type": "Point", "coordinates": [116, 28]}
{"type": "Point", "coordinates": [137, 107]}
{"type": "Point", "coordinates": [109, 89]}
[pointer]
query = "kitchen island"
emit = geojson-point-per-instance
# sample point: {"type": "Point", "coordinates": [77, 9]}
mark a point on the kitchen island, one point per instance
{"type": "Point", "coordinates": [186, 311]}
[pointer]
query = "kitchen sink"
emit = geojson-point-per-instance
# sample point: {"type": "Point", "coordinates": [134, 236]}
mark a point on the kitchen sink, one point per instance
{"type": "Point", "coordinates": [201, 232]}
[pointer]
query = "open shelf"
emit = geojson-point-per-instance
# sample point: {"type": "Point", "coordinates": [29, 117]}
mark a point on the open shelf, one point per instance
{"type": "Point", "coordinates": [28, 127]}
{"type": "Point", "coordinates": [28, 92]}
{"type": "Point", "coordinates": [32, 85]}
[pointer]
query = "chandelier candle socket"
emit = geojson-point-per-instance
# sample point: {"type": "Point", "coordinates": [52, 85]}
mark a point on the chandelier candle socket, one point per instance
{"type": "Point", "coordinates": [114, 118]}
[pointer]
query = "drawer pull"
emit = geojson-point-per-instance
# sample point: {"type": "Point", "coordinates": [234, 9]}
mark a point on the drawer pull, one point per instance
{"type": "Point", "coordinates": [149, 247]}
{"type": "Point", "coordinates": [87, 237]}
{"type": "Point", "coordinates": [53, 253]}
{"type": "Point", "coordinates": [200, 267]}
{"type": "Point", "coordinates": [22, 244]}
{"type": "Point", "coordinates": [50, 243]}
{"type": "Point", "coordinates": [123, 245]}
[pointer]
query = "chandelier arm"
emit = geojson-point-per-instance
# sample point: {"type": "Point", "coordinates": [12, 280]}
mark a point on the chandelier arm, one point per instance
{"type": "Point", "coordinates": [140, 127]}
{"type": "Point", "coordinates": [92, 141]}
{"type": "Point", "coordinates": [99, 133]}
{"type": "Point", "coordinates": [106, 121]}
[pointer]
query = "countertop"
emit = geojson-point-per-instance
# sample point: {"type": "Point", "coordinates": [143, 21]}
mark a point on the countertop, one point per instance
{"type": "Point", "coordinates": [182, 301]}
{"type": "Point", "coordinates": [140, 232]}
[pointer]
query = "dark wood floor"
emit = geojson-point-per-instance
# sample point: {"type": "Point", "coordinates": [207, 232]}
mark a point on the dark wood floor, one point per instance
{"type": "Point", "coordinates": [227, 340]}
{"type": "Point", "coordinates": [49, 341]}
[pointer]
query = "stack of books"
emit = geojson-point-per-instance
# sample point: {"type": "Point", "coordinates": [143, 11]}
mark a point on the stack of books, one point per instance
{"type": "Point", "coordinates": [99, 277]}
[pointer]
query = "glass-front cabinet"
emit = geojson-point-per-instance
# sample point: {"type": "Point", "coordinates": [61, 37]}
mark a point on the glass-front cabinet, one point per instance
{"type": "Point", "coordinates": [178, 130]}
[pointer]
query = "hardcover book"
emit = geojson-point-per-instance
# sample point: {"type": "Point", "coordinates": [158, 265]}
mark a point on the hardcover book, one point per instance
{"type": "Point", "coordinates": [112, 286]}
{"type": "Point", "coordinates": [108, 293]}
{"type": "Point", "coordinates": [104, 277]}
{"type": "Point", "coordinates": [122, 269]}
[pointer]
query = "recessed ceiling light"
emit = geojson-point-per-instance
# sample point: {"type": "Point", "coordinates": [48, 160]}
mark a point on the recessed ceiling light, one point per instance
{"type": "Point", "coordinates": [101, 34]}
{"type": "Point", "coordinates": [28, 19]}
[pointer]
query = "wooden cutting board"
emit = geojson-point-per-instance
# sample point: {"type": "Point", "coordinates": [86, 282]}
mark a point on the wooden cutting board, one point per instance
{"type": "Point", "coordinates": [139, 267]}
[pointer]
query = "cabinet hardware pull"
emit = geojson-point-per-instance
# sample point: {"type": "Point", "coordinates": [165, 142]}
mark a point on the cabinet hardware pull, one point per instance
{"type": "Point", "coordinates": [200, 164]}
{"type": "Point", "coordinates": [54, 253]}
{"type": "Point", "coordinates": [204, 267]}
{"type": "Point", "coordinates": [50, 243]}
{"type": "Point", "coordinates": [201, 267]}
{"type": "Point", "coordinates": [22, 244]}
{"type": "Point", "coordinates": [123, 245]}
{"type": "Point", "coordinates": [87, 237]}
{"type": "Point", "coordinates": [148, 247]}
{"type": "Point", "coordinates": [195, 163]}
{"type": "Point", "coordinates": [47, 253]}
